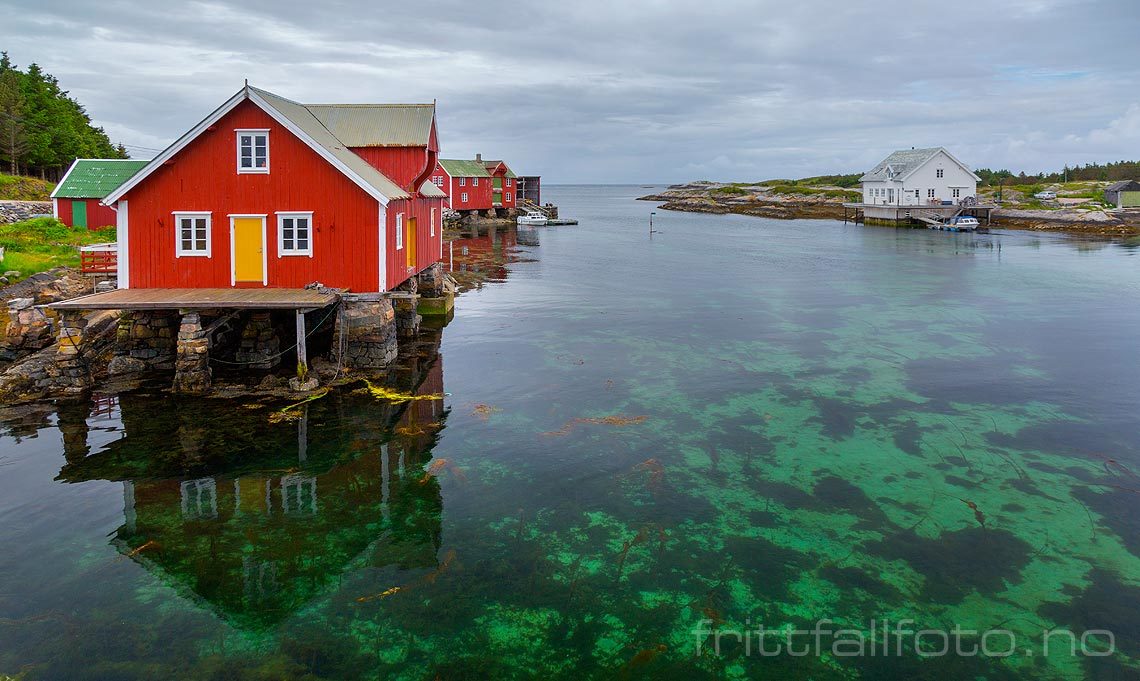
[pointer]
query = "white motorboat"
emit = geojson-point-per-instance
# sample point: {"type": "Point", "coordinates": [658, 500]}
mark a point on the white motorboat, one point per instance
{"type": "Point", "coordinates": [534, 217]}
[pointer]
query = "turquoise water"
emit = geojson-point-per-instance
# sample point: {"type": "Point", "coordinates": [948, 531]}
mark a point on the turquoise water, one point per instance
{"type": "Point", "coordinates": [647, 446]}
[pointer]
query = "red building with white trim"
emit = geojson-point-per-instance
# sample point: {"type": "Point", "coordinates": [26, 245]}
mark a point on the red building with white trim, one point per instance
{"type": "Point", "coordinates": [267, 192]}
{"type": "Point", "coordinates": [466, 183]}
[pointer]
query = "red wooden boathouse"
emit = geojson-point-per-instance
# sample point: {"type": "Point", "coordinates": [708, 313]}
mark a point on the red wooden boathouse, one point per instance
{"type": "Point", "coordinates": [466, 183]}
{"type": "Point", "coordinates": [267, 192]}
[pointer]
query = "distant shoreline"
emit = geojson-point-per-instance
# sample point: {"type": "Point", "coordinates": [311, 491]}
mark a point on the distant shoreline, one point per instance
{"type": "Point", "coordinates": [827, 203]}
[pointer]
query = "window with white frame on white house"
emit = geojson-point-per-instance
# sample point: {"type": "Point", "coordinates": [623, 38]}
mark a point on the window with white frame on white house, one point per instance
{"type": "Point", "coordinates": [253, 151]}
{"type": "Point", "coordinates": [193, 234]}
{"type": "Point", "coordinates": [294, 234]}
{"type": "Point", "coordinates": [956, 192]}
{"type": "Point", "coordinates": [930, 193]}
{"type": "Point", "coordinates": [399, 231]}
{"type": "Point", "coordinates": [938, 173]}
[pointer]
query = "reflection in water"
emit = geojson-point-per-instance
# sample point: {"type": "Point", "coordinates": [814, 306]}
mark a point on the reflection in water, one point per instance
{"type": "Point", "coordinates": [481, 257]}
{"type": "Point", "coordinates": [254, 520]}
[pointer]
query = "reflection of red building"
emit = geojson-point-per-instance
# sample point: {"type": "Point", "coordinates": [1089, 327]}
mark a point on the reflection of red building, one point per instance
{"type": "Point", "coordinates": [485, 255]}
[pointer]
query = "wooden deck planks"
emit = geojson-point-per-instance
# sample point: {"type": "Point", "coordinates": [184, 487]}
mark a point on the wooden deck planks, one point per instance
{"type": "Point", "coordinates": [200, 298]}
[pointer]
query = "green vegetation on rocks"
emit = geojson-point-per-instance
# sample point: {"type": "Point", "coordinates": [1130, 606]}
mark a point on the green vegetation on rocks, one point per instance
{"type": "Point", "coordinates": [43, 243]}
{"type": "Point", "coordinates": [19, 188]}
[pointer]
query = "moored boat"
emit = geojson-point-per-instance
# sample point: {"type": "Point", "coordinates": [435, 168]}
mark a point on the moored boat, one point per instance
{"type": "Point", "coordinates": [534, 217]}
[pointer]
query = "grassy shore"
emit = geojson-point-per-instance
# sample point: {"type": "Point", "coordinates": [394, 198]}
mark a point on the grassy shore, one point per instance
{"type": "Point", "coordinates": [20, 188]}
{"type": "Point", "coordinates": [43, 243]}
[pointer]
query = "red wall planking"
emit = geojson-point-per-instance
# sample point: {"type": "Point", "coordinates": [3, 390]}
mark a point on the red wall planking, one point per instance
{"type": "Point", "coordinates": [203, 177]}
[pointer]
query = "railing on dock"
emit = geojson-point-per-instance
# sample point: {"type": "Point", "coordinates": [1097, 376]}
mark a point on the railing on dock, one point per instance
{"type": "Point", "coordinates": [99, 258]}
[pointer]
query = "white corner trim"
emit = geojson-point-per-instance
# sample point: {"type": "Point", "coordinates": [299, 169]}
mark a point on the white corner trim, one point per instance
{"type": "Point", "coordinates": [382, 226]}
{"type": "Point", "coordinates": [122, 239]}
{"type": "Point", "coordinates": [179, 144]}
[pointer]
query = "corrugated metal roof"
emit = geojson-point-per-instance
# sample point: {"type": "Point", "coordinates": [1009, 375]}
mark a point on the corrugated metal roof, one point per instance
{"type": "Point", "coordinates": [377, 125]}
{"type": "Point", "coordinates": [492, 164]}
{"type": "Point", "coordinates": [460, 168]}
{"type": "Point", "coordinates": [95, 178]}
{"type": "Point", "coordinates": [303, 118]}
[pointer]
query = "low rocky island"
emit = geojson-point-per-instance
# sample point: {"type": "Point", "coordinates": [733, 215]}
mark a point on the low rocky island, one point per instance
{"type": "Point", "coordinates": [815, 199]}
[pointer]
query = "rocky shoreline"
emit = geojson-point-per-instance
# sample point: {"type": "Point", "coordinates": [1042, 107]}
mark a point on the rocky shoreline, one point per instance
{"type": "Point", "coordinates": [762, 201]}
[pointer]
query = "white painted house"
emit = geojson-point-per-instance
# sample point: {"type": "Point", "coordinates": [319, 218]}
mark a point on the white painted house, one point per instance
{"type": "Point", "coordinates": [919, 177]}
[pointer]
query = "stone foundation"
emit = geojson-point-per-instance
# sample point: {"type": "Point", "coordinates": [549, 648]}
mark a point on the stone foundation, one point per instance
{"type": "Point", "coordinates": [145, 340]}
{"type": "Point", "coordinates": [69, 373]}
{"type": "Point", "coordinates": [368, 329]}
{"type": "Point", "coordinates": [29, 329]}
{"type": "Point", "coordinates": [260, 345]}
{"type": "Point", "coordinates": [405, 299]}
{"type": "Point", "coordinates": [192, 372]}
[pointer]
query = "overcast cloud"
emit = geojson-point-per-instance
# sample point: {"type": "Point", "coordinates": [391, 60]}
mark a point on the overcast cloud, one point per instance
{"type": "Point", "coordinates": [588, 91]}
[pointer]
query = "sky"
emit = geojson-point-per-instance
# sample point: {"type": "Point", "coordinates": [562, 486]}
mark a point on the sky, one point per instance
{"type": "Point", "coordinates": [586, 91]}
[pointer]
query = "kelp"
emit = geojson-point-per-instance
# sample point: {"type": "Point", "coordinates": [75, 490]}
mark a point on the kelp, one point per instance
{"type": "Point", "coordinates": [382, 393]}
{"type": "Point", "coordinates": [291, 412]}
{"type": "Point", "coordinates": [484, 411]}
{"type": "Point", "coordinates": [439, 465]}
{"type": "Point", "coordinates": [614, 420]}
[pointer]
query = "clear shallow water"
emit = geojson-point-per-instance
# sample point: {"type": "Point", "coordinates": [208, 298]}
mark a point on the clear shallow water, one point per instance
{"type": "Point", "coordinates": [740, 422]}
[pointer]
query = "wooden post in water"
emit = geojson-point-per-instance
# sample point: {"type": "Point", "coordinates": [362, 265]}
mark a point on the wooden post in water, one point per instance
{"type": "Point", "coordinates": [302, 351]}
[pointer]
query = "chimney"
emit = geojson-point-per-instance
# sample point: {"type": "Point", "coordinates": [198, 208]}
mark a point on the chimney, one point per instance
{"type": "Point", "coordinates": [478, 158]}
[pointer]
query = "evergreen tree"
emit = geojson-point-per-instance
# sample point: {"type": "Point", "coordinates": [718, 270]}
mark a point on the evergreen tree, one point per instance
{"type": "Point", "coordinates": [42, 128]}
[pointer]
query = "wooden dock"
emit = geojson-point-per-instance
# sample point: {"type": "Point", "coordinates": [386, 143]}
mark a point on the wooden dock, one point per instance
{"type": "Point", "coordinates": [202, 299]}
{"type": "Point", "coordinates": [920, 214]}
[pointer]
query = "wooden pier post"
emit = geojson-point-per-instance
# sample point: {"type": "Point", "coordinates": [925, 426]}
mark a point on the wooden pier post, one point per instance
{"type": "Point", "coordinates": [302, 351]}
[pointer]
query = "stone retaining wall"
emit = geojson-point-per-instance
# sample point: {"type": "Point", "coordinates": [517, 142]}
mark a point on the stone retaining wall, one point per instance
{"type": "Point", "coordinates": [369, 331]}
{"type": "Point", "coordinates": [16, 211]}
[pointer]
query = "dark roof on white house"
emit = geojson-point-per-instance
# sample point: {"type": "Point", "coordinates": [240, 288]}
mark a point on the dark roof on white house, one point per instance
{"type": "Point", "coordinates": [905, 161]}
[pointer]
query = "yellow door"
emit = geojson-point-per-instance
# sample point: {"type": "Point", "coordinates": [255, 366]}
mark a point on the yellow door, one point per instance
{"type": "Point", "coordinates": [410, 240]}
{"type": "Point", "coordinates": [248, 249]}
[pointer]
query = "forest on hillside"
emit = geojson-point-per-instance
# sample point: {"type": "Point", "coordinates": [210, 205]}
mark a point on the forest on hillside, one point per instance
{"type": "Point", "coordinates": [42, 128]}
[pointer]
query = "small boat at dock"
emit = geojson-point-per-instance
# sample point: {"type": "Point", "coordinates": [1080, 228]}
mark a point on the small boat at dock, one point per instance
{"type": "Point", "coordinates": [534, 217]}
{"type": "Point", "coordinates": [960, 223]}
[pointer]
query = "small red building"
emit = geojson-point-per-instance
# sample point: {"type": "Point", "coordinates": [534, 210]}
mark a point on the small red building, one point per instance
{"type": "Point", "coordinates": [466, 183]}
{"type": "Point", "coordinates": [267, 192]}
{"type": "Point", "coordinates": [76, 200]}
{"type": "Point", "coordinates": [503, 187]}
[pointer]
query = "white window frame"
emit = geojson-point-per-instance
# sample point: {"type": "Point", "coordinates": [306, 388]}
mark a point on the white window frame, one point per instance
{"type": "Point", "coordinates": [399, 231]}
{"type": "Point", "coordinates": [508, 196]}
{"type": "Point", "coordinates": [956, 193]}
{"type": "Point", "coordinates": [930, 193]}
{"type": "Point", "coordinates": [255, 132]}
{"type": "Point", "coordinates": [294, 215]}
{"type": "Point", "coordinates": [509, 181]}
{"type": "Point", "coordinates": [939, 173]}
{"type": "Point", "coordinates": [475, 182]}
{"type": "Point", "coordinates": [463, 182]}
{"type": "Point", "coordinates": [463, 197]}
{"type": "Point", "coordinates": [179, 252]}
{"type": "Point", "coordinates": [433, 213]}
